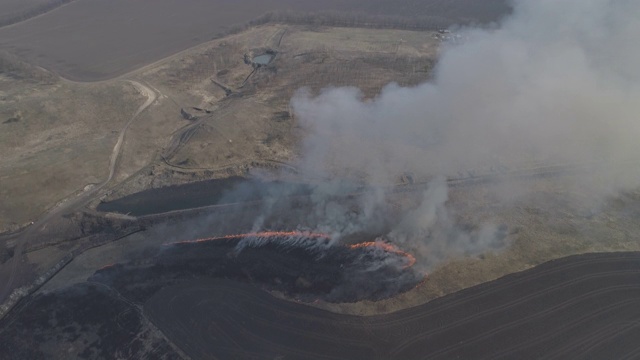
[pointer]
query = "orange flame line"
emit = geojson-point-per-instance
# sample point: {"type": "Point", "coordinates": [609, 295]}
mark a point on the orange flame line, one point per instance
{"type": "Point", "coordinates": [259, 235]}
{"type": "Point", "coordinates": [106, 266]}
{"type": "Point", "coordinates": [390, 248]}
{"type": "Point", "coordinates": [422, 282]}
{"type": "Point", "coordinates": [265, 235]}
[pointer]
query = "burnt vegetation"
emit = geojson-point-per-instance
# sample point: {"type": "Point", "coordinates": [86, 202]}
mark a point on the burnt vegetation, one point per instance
{"type": "Point", "coordinates": [549, 311]}
{"type": "Point", "coordinates": [337, 274]}
{"type": "Point", "coordinates": [552, 310]}
{"type": "Point", "coordinates": [86, 321]}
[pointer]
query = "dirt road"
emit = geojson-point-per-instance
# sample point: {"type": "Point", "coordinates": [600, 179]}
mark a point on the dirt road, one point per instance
{"type": "Point", "coordinates": [115, 155]}
{"type": "Point", "coordinates": [72, 204]}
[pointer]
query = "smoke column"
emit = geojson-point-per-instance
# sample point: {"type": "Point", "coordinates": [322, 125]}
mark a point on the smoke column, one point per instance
{"type": "Point", "coordinates": [557, 82]}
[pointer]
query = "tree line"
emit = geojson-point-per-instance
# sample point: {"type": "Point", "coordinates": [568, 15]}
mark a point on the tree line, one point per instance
{"type": "Point", "coordinates": [12, 66]}
{"type": "Point", "coordinates": [347, 19]}
{"type": "Point", "coordinates": [11, 19]}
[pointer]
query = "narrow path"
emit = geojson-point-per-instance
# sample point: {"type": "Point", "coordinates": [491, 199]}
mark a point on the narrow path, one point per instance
{"type": "Point", "coordinates": [115, 155]}
{"type": "Point", "coordinates": [81, 200]}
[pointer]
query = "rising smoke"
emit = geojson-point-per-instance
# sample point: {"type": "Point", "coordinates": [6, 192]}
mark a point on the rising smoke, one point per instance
{"type": "Point", "coordinates": [555, 83]}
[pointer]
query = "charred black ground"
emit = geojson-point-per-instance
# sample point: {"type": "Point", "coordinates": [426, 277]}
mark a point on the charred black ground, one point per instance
{"type": "Point", "coordinates": [84, 321]}
{"type": "Point", "coordinates": [581, 307]}
{"type": "Point", "coordinates": [334, 274]}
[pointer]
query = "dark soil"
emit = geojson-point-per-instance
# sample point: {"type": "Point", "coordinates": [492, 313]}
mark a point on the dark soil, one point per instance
{"type": "Point", "coordinates": [86, 321]}
{"type": "Point", "coordinates": [582, 307]}
{"type": "Point", "coordinates": [336, 274]}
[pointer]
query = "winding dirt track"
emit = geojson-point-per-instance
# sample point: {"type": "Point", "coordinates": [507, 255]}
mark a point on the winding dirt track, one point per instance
{"type": "Point", "coordinates": [71, 204]}
{"type": "Point", "coordinates": [115, 155]}
{"type": "Point", "coordinates": [584, 306]}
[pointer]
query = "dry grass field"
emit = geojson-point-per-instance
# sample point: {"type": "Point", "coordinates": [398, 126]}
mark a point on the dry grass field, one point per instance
{"type": "Point", "coordinates": [550, 223]}
{"type": "Point", "coordinates": [100, 99]}
{"type": "Point", "coordinates": [252, 124]}
{"type": "Point", "coordinates": [55, 139]}
{"type": "Point", "coordinates": [248, 127]}
{"type": "Point", "coordinates": [96, 39]}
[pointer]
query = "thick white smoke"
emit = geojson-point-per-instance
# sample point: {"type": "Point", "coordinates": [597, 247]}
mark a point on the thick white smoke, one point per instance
{"type": "Point", "coordinates": [557, 82]}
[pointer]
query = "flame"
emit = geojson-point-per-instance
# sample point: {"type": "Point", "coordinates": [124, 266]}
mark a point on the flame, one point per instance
{"type": "Point", "coordinates": [266, 236]}
{"type": "Point", "coordinates": [390, 248]}
{"type": "Point", "coordinates": [422, 282]}
{"type": "Point", "coordinates": [106, 266]}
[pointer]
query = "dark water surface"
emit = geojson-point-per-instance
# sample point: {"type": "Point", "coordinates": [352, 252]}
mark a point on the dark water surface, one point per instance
{"type": "Point", "coordinates": [202, 193]}
{"type": "Point", "coordinates": [263, 59]}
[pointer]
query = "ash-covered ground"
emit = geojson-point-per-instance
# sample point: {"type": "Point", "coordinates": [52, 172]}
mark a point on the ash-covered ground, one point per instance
{"type": "Point", "coordinates": [577, 307]}
{"type": "Point", "coordinates": [104, 316]}
{"type": "Point", "coordinates": [301, 272]}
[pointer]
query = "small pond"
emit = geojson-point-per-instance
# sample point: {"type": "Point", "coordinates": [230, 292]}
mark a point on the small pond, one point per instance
{"type": "Point", "coordinates": [263, 59]}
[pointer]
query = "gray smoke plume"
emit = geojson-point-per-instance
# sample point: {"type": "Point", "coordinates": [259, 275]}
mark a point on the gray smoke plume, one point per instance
{"type": "Point", "coordinates": [555, 83]}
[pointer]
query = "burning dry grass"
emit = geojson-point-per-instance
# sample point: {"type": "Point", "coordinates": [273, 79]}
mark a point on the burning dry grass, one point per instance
{"type": "Point", "coordinates": [316, 242]}
{"type": "Point", "coordinates": [387, 248]}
